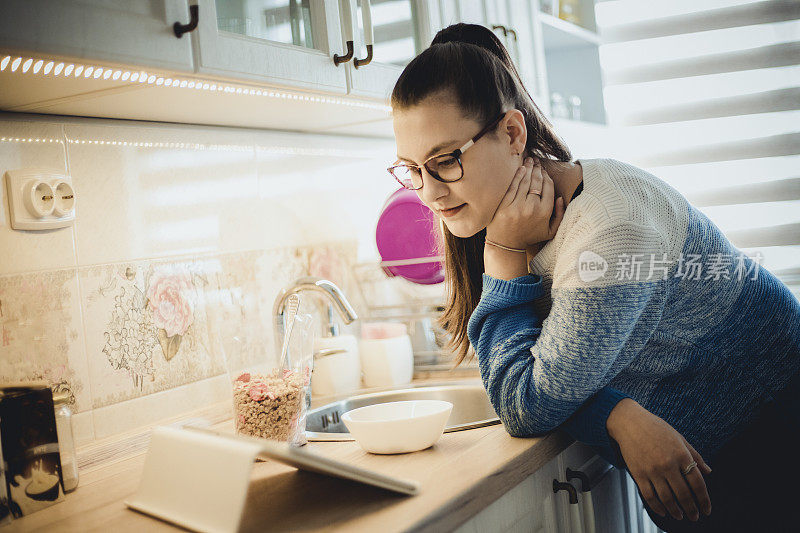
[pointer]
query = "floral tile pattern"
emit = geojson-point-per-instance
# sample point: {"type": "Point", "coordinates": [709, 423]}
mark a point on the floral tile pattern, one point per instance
{"type": "Point", "coordinates": [146, 328]}
{"type": "Point", "coordinates": [334, 262]}
{"type": "Point", "coordinates": [41, 336]}
{"type": "Point", "coordinates": [153, 326]}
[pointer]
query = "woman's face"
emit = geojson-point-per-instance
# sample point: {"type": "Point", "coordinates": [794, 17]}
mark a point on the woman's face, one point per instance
{"type": "Point", "coordinates": [437, 126]}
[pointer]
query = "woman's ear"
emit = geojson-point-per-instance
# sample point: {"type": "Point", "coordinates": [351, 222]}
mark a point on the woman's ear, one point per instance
{"type": "Point", "coordinates": [514, 127]}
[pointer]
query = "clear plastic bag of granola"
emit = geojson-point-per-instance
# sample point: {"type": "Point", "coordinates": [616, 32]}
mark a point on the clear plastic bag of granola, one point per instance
{"type": "Point", "coordinates": [269, 400]}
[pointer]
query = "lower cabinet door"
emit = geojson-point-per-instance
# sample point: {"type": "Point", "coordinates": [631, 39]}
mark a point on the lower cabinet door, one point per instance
{"type": "Point", "coordinates": [530, 507]}
{"type": "Point", "coordinates": [605, 506]}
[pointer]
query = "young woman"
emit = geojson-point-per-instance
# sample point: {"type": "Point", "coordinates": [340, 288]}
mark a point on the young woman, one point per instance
{"type": "Point", "coordinates": [594, 297]}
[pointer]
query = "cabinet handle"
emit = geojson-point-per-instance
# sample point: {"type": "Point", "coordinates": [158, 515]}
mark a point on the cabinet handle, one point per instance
{"type": "Point", "coordinates": [513, 34]}
{"type": "Point", "coordinates": [597, 469]}
{"type": "Point", "coordinates": [347, 26]}
{"type": "Point", "coordinates": [588, 504]}
{"type": "Point", "coordinates": [501, 28]}
{"type": "Point", "coordinates": [591, 473]}
{"type": "Point", "coordinates": [369, 38]}
{"type": "Point", "coordinates": [574, 508]}
{"type": "Point", "coordinates": [180, 29]}
{"type": "Point", "coordinates": [562, 485]}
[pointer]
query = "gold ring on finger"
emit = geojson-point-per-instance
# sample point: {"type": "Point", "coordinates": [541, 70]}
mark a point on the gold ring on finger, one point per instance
{"type": "Point", "coordinates": [689, 468]}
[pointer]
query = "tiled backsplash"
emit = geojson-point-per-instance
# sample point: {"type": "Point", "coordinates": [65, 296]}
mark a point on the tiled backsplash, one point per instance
{"type": "Point", "coordinates": [183, 237]}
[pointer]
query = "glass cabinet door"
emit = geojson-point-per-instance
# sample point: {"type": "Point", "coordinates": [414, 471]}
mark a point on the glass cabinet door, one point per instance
{"type": "Point", "coordinates": [282, 42]}
{"type": "Point", "coordinates": [119, 31]}
{"type": "Point", "coordinates": [280, 21]}
{"type": "Point", "coordinates": [395, 31]}
{"type": "Point", "coordinates": [400, 29]}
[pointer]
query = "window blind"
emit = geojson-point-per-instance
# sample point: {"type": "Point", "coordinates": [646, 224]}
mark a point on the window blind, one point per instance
{"type": "Point", "coordinates": [705, 94]}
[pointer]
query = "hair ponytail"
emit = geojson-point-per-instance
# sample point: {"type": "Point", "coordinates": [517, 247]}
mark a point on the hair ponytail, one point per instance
{"type": "Point", "coordinates": [470, 63]}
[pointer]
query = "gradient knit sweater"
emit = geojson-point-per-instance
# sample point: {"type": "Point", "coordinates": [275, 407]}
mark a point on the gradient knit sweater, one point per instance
{"type": "Point", "coordinates": [638, 295]}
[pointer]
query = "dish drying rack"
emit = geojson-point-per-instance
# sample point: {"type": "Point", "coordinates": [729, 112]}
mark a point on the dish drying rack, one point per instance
{"type": "Point", "coordinates": [388, 298]}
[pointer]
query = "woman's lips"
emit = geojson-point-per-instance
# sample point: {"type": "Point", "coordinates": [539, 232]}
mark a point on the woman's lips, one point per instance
{"type": "Point", "coordinates": [452, 212]}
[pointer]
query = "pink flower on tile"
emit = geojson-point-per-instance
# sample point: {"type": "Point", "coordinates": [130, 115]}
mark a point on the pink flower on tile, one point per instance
{"type": "Point", "coordinates": [169, 299]}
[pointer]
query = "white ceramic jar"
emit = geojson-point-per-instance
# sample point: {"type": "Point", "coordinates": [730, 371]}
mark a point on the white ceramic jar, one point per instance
{"type": "Point", "coordinates": [339, 372]}
{"type": "Point", "coordinates": [387, 362]}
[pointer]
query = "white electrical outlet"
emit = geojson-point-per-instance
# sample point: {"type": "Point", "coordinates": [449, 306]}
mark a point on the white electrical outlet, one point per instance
{"type": "Point", "coordinates": [40, 199]}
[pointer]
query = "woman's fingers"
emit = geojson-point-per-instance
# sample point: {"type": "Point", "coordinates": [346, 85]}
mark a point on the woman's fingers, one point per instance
{"type": "Point", "coordinates": [558, 215]}
{"type": "Point", "coordinates": [667, 498]}
{"type": "Point", "coordinates": [548, 189]}
{"type": "Point", "coordinates": [513, 187]}
{"type": "Point", "coordinates": [536, 177]}
{"type": "Point", "coordinates": [698, 485]}
{"type": "Point", "coordinates": [696, 481]}
{"type": "Point", "coordinates": [650, 497]}
{"type": "Point", "coordinates": [525, 184]}
{"type": "Point", "coordinates": [681, 489]}
{"type": "Point", "coordinates": [697, 457]}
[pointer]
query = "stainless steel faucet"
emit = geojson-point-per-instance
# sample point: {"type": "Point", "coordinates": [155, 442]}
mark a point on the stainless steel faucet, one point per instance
{"type": "Point", "coordinates": [332, 293]}
{"type": "Point", "coordinates": [336, 299]}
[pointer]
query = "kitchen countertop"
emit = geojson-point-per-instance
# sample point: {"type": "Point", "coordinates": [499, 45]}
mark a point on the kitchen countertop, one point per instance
{"type": "Point", "coordinates": [461, 474]}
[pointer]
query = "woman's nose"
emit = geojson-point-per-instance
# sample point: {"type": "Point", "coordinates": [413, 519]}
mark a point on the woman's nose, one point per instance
{"type": "Point", "coordinates": [431, 188]}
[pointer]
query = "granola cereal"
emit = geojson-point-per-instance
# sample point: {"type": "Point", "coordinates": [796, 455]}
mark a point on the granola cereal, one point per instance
{"type": "Point", "coordinates": [270, 405]}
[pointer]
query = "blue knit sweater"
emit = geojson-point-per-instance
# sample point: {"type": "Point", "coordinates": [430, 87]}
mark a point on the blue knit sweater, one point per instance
{"type": "Point", "coordinates": [639, 295]}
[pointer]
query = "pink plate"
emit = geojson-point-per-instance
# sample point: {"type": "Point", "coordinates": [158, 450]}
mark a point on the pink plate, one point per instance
{"type": "Point", "coordinates": [407, 229]}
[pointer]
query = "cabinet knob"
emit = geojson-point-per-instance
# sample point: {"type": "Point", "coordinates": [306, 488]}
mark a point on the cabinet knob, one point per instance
{"type": "Point", "coordinates": [180, 29]}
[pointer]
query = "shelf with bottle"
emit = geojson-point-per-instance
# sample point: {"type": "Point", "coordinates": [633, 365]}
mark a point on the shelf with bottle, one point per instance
{"type": "Point", "coordinates": [568, 23]}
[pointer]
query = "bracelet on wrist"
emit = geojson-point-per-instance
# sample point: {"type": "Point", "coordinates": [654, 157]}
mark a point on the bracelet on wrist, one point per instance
{"type": "Point", "coordinates": [505, 247]}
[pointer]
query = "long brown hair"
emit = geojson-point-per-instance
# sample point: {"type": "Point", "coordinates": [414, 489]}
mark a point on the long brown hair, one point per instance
{"type": "Point", "coordinates": [470, 64]}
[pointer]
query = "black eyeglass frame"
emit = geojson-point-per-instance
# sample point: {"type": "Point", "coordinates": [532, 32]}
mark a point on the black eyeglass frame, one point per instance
{"type": "Point", "coordinates": [456, 154]}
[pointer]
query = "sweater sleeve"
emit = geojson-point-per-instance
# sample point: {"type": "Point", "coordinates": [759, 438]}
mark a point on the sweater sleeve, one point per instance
{"type": "Point", "coordinates": [540, 375]}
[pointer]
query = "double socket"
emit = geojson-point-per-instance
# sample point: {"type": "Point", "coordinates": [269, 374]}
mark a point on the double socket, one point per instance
{"type": "Point", "coordinates": [40, 199]}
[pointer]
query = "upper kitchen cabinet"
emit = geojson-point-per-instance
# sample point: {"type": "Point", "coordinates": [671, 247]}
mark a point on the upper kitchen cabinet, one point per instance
{"type": "Point", "coordinates": [568, 48]}
{"type": "Point", "coordinates": [511, 21]}
{"type": "Point", "coordinates": [119, 31]}
{"type": "Point", "coordinates": [287, 43]}
{"type": "Point", "coordinates": [389, 34]}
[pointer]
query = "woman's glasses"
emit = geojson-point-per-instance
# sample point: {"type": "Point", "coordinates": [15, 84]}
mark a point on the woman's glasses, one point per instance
{"type": "Point", "coordinates": [446, 168]}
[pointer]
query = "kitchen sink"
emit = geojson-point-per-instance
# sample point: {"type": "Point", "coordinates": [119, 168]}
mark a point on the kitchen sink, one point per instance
{"type": "Point", "coordinates": [471, 408]}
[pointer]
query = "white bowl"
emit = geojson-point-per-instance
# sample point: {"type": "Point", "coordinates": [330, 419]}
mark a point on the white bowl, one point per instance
{"type": "Point", "coordinates": [398, 427]}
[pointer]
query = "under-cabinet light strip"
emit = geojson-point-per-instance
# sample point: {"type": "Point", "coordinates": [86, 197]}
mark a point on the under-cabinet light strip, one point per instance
{"type": "Point", "coordinates": [282, 150]}
{"type": "Point", "coordinates": [23, 65]}
{"type": "Point", "coordinates": [36, 140]}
